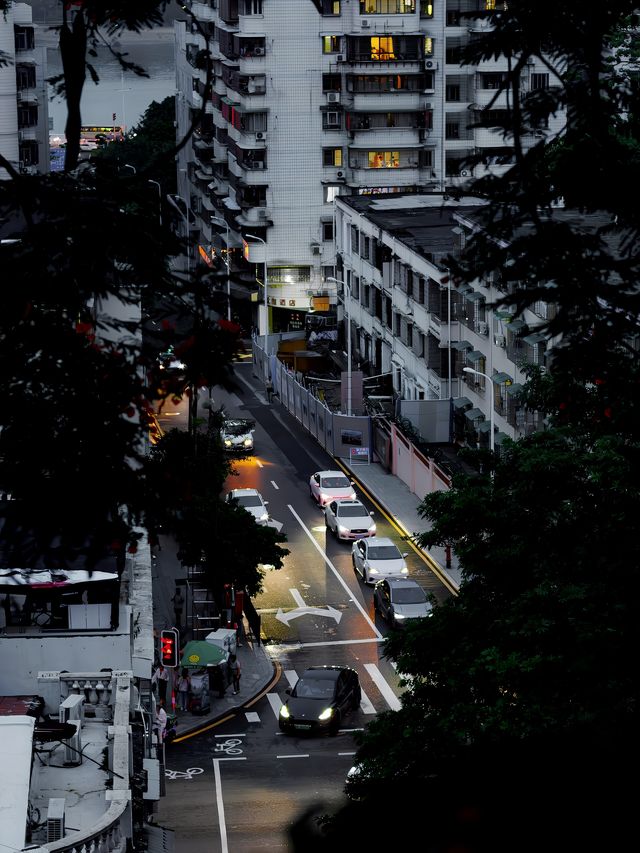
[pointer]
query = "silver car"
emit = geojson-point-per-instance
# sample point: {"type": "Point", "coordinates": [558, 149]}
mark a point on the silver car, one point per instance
{"type": "Point", "coordinates": [252, 501]}
{"type": "Point", "coordinates": [378, 558]}
{"type": "Point", "coordinates": [349, 520]}
{"type": "Point", "coordinates": [399, 600]}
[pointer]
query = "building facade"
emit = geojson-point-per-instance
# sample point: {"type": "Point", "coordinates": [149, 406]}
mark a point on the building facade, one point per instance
{"type": "Point", "coordinates": [24, 122]}
{"type": "Point", "coordinates": [339, 98]}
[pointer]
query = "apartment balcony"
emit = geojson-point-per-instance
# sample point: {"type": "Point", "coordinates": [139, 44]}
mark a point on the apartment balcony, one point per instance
{"type": "Point", "coordinates": [388, 101]}
{"type": "Point", "coordinates": [203, 11]}
{"type": "Point", "coordinates": [498, 100]}
{"type": "Point", "coordinates": [485, 137]}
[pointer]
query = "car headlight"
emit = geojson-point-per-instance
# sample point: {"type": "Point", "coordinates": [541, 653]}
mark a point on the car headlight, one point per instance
{"type": "Point", "coordinates": [342, 529]}
{"type": "Point", "coordinates": [326, 714]}
{"type": "Point", "coordinates": [264, 517]}
{"type": "Point", "coordinates": [373, 529]}
{"type": "Point", "coordinates": [227, 442]}
{"type": "Point", "coordinates": [404, 570]}
{"type": "Point", "coordinates": [372, 571]}
{"type": "Point", "coordinates": [399, 617]}
{"type": "Point", "coordinates": [248, 442]}
{"type": "Point", "coordinates": [284, 712]}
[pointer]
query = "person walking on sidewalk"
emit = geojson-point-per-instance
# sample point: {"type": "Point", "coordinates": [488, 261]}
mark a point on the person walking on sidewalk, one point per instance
{"type": "Point", "coordinates": [161, 678]}
{"type": "Point", "coordinates": [234, 672]}
{"type": "Point", "coordinates": [184, 686]}
{"type": "Point", "coordinates": [269, 389]}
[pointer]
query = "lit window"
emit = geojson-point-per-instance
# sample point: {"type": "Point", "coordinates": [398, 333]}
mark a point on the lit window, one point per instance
{"type": "Point", "coordinates": [332, 157]}
{"type": "Point", "coordinates": [382, 48]}
{"type": "Point", "coordinates": [428, 46]}
{"type": "Point", "coordinates": [383, 159]}
{"type": "Point", "coordinates": [331, 192]}
{"type": "Point", "coordinates": [331, 44]}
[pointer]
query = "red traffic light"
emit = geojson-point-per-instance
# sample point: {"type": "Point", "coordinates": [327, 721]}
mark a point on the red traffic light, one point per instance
{"type": "Point", "coordinates": [169, 643]}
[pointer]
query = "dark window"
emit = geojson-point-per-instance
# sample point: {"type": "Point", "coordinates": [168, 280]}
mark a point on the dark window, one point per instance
{"type": "Point", "coordinates": [327, 230]}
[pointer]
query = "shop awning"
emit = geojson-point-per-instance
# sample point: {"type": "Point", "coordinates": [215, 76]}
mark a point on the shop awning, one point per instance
{"type": "Point", "coordinates": [502, 379]}
{"type": "Point", "coordinates": [484, 427]}
{"type": "Point", "coordinates": [475, 355]}
{"type": "Point", "coordinates": [535, 338]}
{"type": "Point", "coordinates": [516, 325]}
{"type": "Point", "coordinates": [474, 414]}
{"type": "Point", "coordinates": [474, 297]}
{"type": "Point", "coordinates": [515, 389]}
{"type": "Point", "coordinates": [461, 403]}
{"type": "Point", "coordinates": [461, 345]}
{"type": "Point", "coordinates": [500, 437]}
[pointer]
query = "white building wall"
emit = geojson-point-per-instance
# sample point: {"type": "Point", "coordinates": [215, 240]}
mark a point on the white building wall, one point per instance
{"type": "Point", "coordinates": [8, 111]}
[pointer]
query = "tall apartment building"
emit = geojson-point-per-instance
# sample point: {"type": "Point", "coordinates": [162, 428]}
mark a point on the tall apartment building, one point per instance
{"type": "Point", "coordinates": [24, 124]}
{"type": "Point", "coordinates": [324, 98]}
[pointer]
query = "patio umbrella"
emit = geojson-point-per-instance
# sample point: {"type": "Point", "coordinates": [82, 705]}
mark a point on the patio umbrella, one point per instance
{"type": "Point", "coordinates": [199, 653]}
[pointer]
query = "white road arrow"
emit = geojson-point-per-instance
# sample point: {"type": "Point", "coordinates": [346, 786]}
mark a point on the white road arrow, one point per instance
{"type": "Point", "coordinates": [303, 610]}
{"type": "Point", "coordinates": [273, 523]}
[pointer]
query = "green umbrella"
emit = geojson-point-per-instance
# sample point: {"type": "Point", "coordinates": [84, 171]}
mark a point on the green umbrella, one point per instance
{"type": "Point", "coordinates": [199, 653]}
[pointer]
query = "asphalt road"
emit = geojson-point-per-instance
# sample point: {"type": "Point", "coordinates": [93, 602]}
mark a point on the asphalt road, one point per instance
{"type": "Point", "coordinates": [239, 786]}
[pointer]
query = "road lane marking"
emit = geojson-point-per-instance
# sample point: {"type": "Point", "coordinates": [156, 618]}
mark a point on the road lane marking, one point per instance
{"type": "Point", "coordinates": [299, 600]}
{"type": "Point", "coordinates": [275, 485]}
{"type": "Point", "coordinates": [382, 685]}
{"type": "Point", "coordinates": [334, 570]}
{"type": "Point", "coordinates": [220, 804]}
{"type": "Point", "coordinates": [259, 463]}
{"type": "Point", "coordinates": [291, 676]}
{"type": "Point", "coordinates": [302, 755]}
{"type": "Point", "coordinates": [276, 703]}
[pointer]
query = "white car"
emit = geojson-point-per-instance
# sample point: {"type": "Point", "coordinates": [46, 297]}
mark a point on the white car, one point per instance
{"type": "Point", "coordinates": [378, 558]}
{"type": "Point", "coordinates": [237, 435]}
{"type": "Point", "coordinates": [349, 520]}
{"type": "Point", "coordinates": [252, 501]}
{"type": "Point", "coordinates": [327, 486]}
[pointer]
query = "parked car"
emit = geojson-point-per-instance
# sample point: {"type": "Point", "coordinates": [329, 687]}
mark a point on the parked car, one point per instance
{"type": "Point", "coordinates": [327, 486]}
{"type": "Point", "coordinates": [237, 435]}
{"type": "Point", "coordinates": [349, 520]}
{"type": "Point", "coordinates": [320, 699]}
{"type": "Point", "coordinates": [252, 501]}
{"type": "Point", "coordinates": [378, 558]}
{"type": "Point", "coordinates": [399, 600]}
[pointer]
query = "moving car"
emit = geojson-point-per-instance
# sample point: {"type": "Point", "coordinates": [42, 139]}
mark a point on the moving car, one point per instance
{"type": "Point", "coordinates": [378, 558]}
{"type": "Point", "coordinates": [327, 486]}
{"type": "Point", "coordinates": [237, 435]}
{"type": "Point", "coordinates": [398, 600]}
{"type": "Point", "coordinates": [252, 501]}
{"type": "Point", "coordinates": [349, 520]}
{"type": "Point", "coordinates": [320, 699]}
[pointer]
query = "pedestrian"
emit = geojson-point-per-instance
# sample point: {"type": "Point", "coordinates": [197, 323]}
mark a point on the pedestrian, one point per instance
{"type": "Point", "coordinates": [217, 680]}
{"type": "Point", "coordinates": [234, 672]}
{"type": "Point", "coordinates": [178, 606]}
{"type": "Point", "coordinates": [161, 721]}
{"type": "Point", "coordinates": [269, 388]}
{"type": "Point", "coordinates": [184, 687]}
{"type": "Point", "coordinates": [161, 678]}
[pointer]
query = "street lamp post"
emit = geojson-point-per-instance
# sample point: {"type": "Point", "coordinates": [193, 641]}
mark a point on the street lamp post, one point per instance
{"type": "Point", "coordinates": [347, 288]}
{"type": "Point", "coordinates": [266, 309]}
{"type": "Point", "coordinates": [159, 199]}
{"type": "Point", "coordinates": [129, 166]}
{"type": "Point", "coordinates": [216, 221]}
{"type": "Point", "coordinates": [488, 378]}
{"type": "Point", "coordinates": [185, 215]}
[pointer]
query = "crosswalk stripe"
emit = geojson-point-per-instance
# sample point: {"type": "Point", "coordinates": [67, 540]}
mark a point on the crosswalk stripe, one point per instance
{"type": "Point", "coordinates": [380, 682]}
{"type": "Point", "coordinates": [276, 704]}
{"type": "Point", "coordinates": [366, 705]}
{"type": "Point", "coordinates": [291, 676]}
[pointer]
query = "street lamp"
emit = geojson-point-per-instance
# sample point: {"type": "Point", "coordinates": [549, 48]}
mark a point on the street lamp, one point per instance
{"type": "Point", "coordinates": [227, 260]}
{"type": "Point", "coordinates": [184, 213]}
{"type": "Point", "coordinates": [488, 378]}
{"type": "Point", "coordinates": [129, 166]}
{"type": "Point", "coordinates": [347, 288]}
{"type": "Point", "coordinates": [159, 199]}
{"type": "Point", "coordinates": [266, 309]}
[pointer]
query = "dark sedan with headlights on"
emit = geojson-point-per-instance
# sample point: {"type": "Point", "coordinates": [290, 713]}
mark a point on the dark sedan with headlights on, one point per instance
{"type": "Point", "coordinates": [320, 699]}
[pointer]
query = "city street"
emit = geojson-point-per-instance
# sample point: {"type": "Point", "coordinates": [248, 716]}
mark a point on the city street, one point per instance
{"type": "Point", "coordinates": [238, 786]}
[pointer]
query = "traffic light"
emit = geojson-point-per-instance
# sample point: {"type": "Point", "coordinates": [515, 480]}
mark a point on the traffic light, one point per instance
{"type": "Point", "coordinates": [169, 647]}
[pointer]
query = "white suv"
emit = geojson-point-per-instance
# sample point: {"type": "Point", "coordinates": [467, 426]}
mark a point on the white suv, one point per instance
{"type": "Point", "coordinates": [349, 520]}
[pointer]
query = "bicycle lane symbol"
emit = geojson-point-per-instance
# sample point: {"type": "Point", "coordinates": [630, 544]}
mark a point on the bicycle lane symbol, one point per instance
{"type": "Point", "coordinates": [229, 746]}
{"type": "Point", "coordinates": [183, 774]}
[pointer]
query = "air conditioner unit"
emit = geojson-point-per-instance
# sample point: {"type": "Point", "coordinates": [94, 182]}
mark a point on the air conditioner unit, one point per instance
{"type": "Point", "coordinates": [73, 747]}
{"type": "Point", "coordinates": [482, 328]}
{"type": "Point", "coordinates": [339, 174]}
{"type": "Point", "coordinates": [261, 212]}
{"type": "Point", "coordinates": [501, 341]}
{"type": "Point", "coordinates": [431, 64]}
{"type": "Point", "coordinates": [261, 135]}
{"type": "Point", "coordinates": [258, 51]}
{"type": "Point", "coordinates": [55, 819]}
{"type": "Point", "coordinates": [365, 24]}
{"type": "Point", "coordinates": [72, 708]}
{"type": "Point", "coordinates": [316, 249]}
{"type": "Point", "coordinates": [428, 105]}
{"type": "Point", "coordinates": [340, 57]}
{"type": "Point", "coordinates": [333, 97]}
